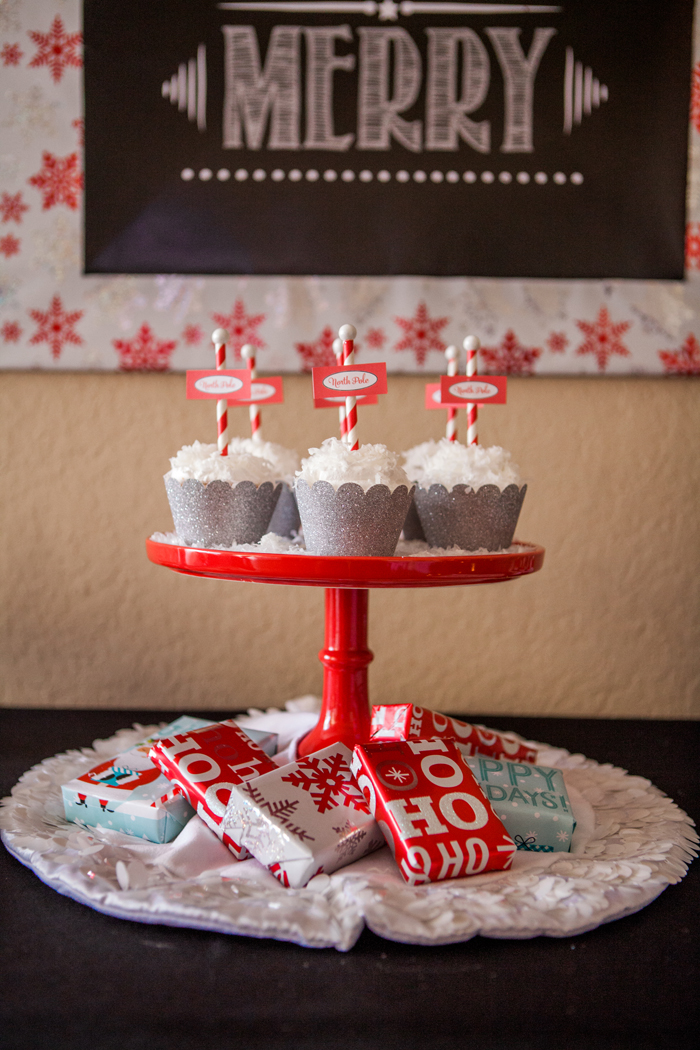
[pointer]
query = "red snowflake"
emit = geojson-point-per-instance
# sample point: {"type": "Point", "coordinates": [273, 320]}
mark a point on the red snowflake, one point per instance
{"type": "Point", "coordinates": [317, 354]}
{"type": "Point", "coordinates": [79, 125]}
{"type": "Point", "coordinates": [328, 781]}
{"type": "Point", "coordinates": [11, 208]}
{"type": "Point", "coordinates": [59, 180]}
{"type": "Point", "coordinates": [511, 357]}
{"type": "Point", "coordinates": [695, 97]}
{"type": "Point", "coordinates": [421, 333]}
{"type": "Point", "coordinates": [241, 328]}
{"type": "Point", "coordinates": [683, 362]}
{"type": "Point", "coordinates": [9, 245]}
{"type": "Point", "coordinates": [376, 338]}
{"type": "Point", "coordinates": [56, 327]}
{"type": "Point", "coordinates": [603, 338]}
{"type": "Point", "coordinates": [57, 49]}
{"type": "Point", "coordinates": [692, 246]}
{"type": "Point", "coordinates": [11, 332]}
{"type": "Point", "coordinates": [11, 54]}
{"type": "Point", "coordinates": [192, 335]}
{"type": "Point", "coordinates": [144, 353]}
{"type": "Point", "coordinates": [557, 342]}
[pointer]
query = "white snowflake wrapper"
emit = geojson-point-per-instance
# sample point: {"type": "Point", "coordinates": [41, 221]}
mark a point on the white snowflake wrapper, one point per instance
{"type": "Point", "coordinates": [530, 800]}
{"type": "Point", "coordinates": [304, 819]}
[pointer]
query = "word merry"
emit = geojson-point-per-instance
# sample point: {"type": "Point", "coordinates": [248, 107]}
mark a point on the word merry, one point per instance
{"type": "Point", "coordinates": [389, 79]}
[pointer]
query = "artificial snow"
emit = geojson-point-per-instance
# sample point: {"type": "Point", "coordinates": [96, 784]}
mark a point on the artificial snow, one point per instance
{"type": "Point", "coordinates": [449, 463]}
{"type": "Point", "coordinates": [205, 463]}
{"type": "Point", "coordinates": [284, 460]}
{"type": "Point", "coordinates": [369, 465]}
{"type": "Point", "coordinates": [271, 543]}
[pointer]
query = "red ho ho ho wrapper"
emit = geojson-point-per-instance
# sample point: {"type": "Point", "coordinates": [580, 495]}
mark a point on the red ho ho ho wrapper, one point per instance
{"type": "Point", "coordinates": [206, 764]}
{"type": "Point", "coordinates": [304, 819]}
{"type": "Point", "coordinates": [408, 722]}
{"type": "Point", "coordinates": [431, 811]}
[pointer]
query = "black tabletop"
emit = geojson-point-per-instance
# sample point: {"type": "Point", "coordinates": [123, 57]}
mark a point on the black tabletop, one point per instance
{"type": "Point", "coordinates": [73, 979]}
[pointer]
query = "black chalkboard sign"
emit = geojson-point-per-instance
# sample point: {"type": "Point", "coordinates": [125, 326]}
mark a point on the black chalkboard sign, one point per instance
{"type": "Point", "coordinates": [387, 137]}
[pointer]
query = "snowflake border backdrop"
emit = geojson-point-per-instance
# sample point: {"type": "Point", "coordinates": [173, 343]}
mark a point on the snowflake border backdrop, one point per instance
{"type": "Point", "coordinates": [54, 318]}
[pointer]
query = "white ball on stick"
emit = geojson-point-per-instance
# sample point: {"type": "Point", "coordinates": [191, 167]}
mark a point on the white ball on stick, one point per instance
{"type": "Point", "coordinates": [219, 336]}
{"type": "Point", "coordinates": [248, 351]}
{"type": "Point", "coordinates": [471, 343]}
{"type": "Point", "coordinates": [347, 332]}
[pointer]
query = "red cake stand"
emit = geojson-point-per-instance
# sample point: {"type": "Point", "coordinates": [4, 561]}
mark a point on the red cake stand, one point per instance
{"type": "Point", "coordinates": [345, 657]}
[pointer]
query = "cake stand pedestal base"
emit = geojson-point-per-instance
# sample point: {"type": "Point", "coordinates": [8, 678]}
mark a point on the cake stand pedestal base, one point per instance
{"type": "Point", "coordinates": [345, 657]}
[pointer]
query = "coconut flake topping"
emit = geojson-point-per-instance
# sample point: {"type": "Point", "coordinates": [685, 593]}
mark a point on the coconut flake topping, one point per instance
{"type": "Point", "coordinates": [369, 465]}
{"type": "Point", "coordinates": [284, 460]}
{"type": "Point", "coordinates": [204, 463]}
{"type": "Point", "coordinates": [449, 463]}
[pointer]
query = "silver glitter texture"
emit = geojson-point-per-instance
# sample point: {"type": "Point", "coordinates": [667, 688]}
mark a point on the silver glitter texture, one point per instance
{"type": "Point", "coordinates": [221, 514]}
{"type": "Point", "coordinates": [468, 519]}
{"type": "Point", "coordinates": [350, 522]}
{"type": "Point", "coordinates": [412, 528]}
{"type": "Point", "coordinates": [285, 520]}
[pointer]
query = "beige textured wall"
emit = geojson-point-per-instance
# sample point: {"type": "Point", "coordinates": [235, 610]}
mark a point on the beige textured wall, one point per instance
{"type": "Point", "coordinates": [609, 627]}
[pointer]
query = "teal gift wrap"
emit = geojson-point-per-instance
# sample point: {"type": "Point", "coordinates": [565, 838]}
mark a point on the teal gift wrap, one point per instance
{"type": "Point", "coordinates": [129, 794]}
{"type": "Point", "coordinates": [531, 800]}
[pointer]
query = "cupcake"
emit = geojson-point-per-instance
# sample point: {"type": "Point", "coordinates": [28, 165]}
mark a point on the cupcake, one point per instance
{"type": "Point", "coordinates": [220, 501]}
{"type": "Point", "coordinates": [352, 502]}
{"type": "Point", "coordinates": [285, 518]}
{"type": "Point", "coordinates": [466, 496]}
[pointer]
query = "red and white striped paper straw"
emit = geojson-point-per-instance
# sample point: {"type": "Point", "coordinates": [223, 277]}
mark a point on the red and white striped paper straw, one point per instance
{"type": "Point", "coordinates": [219, 338]}
{"type": "Point", "coordinates": [338, 351]}
{"type": "Point", "coordinates": [471, 345]}
{"type": "Point", "coordinates": [452, 355]}
{"type": "Point", "coordinates": [248, 352]}
{"type": "Point", "coordinates": [347, 333]}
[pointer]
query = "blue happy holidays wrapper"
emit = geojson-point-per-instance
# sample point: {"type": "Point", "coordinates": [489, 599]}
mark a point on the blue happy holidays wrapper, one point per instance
{"type": "Point", "coordinates": [532, 801]}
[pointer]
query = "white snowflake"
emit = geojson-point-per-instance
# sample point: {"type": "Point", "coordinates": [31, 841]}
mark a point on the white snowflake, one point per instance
{"type": "Point", "coordinates": [31, 113]}
{"type": "Point", "coordinates": [9, 22]}
{"type": "Point", "coordinates": [57, 250]}
{"type": "Point", "coordinates": [397, 774]}
{"type": "Point", "coordinates": [562, 836]}
{"type": "Point", "coordinates": [179, 296]}
{"type": "Point", "coordinates": [116, 298]}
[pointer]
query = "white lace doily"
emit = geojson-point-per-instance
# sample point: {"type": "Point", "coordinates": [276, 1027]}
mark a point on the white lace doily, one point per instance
{"type": "Point", "coordinates": [630, 843]}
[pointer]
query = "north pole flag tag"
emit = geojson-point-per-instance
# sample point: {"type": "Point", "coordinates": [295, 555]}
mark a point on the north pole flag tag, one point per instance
{"type": "Point", "coordinates": [433, 397]}
{"type": "Point", "coordinates": [267, 391]}
{"type": "Point", "coordinates": [457, 391]}
{"type": "Point", "coordinates": [431, 811]}
{"type": "Point", "coordinates": [232, 384]}
{"type": "Point", "coordinates": [349, 380]}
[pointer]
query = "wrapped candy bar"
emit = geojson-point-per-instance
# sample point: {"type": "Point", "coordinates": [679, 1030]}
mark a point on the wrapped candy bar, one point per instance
{"type": "Point", "coordinates": [128, 794]}
{"type": "Point", "coordinates": [431, 811]}
{"type": "Point", "coordinates": [305, 818]}
{"type": "Point", "coordinates": [532, 802]}
{"type": "Point", "coordinates": [206, 764]}
{"type": "Point", "coordinates": [409, 722]}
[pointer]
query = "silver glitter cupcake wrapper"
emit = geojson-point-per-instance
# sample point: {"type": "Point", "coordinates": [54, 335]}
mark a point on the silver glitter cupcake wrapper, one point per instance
{"type": "Point", "coordinates": [468, 519]}
{"type": "Point", "coordinates": [285, 520]}
{"type": "Point", "coordinates": [221, 514]}
{"type": "Point", "coordinates": [350, 522]}
{"type": "Point", "coordinates": [412, 528]}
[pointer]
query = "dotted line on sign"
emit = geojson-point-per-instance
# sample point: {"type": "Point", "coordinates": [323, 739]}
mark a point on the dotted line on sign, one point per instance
{"type": "Point", "coordinates": [330, 175]}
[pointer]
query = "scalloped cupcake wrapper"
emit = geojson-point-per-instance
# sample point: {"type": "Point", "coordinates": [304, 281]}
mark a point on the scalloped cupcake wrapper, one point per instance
{"type": "Point", "coordinates": [221, 514]}
{"type": "Point", "coordinates": [350, 522]}
{"type": "Point", "coordinates": [468, 519]}
{"type": "Point", "coordinates": [285, 520]}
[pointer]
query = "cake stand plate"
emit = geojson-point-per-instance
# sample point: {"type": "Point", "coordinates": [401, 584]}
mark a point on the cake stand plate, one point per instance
{"type": "Point", "coordinates": [630, 843]}
{"type": "Point", "coordinates": [345, 656]}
